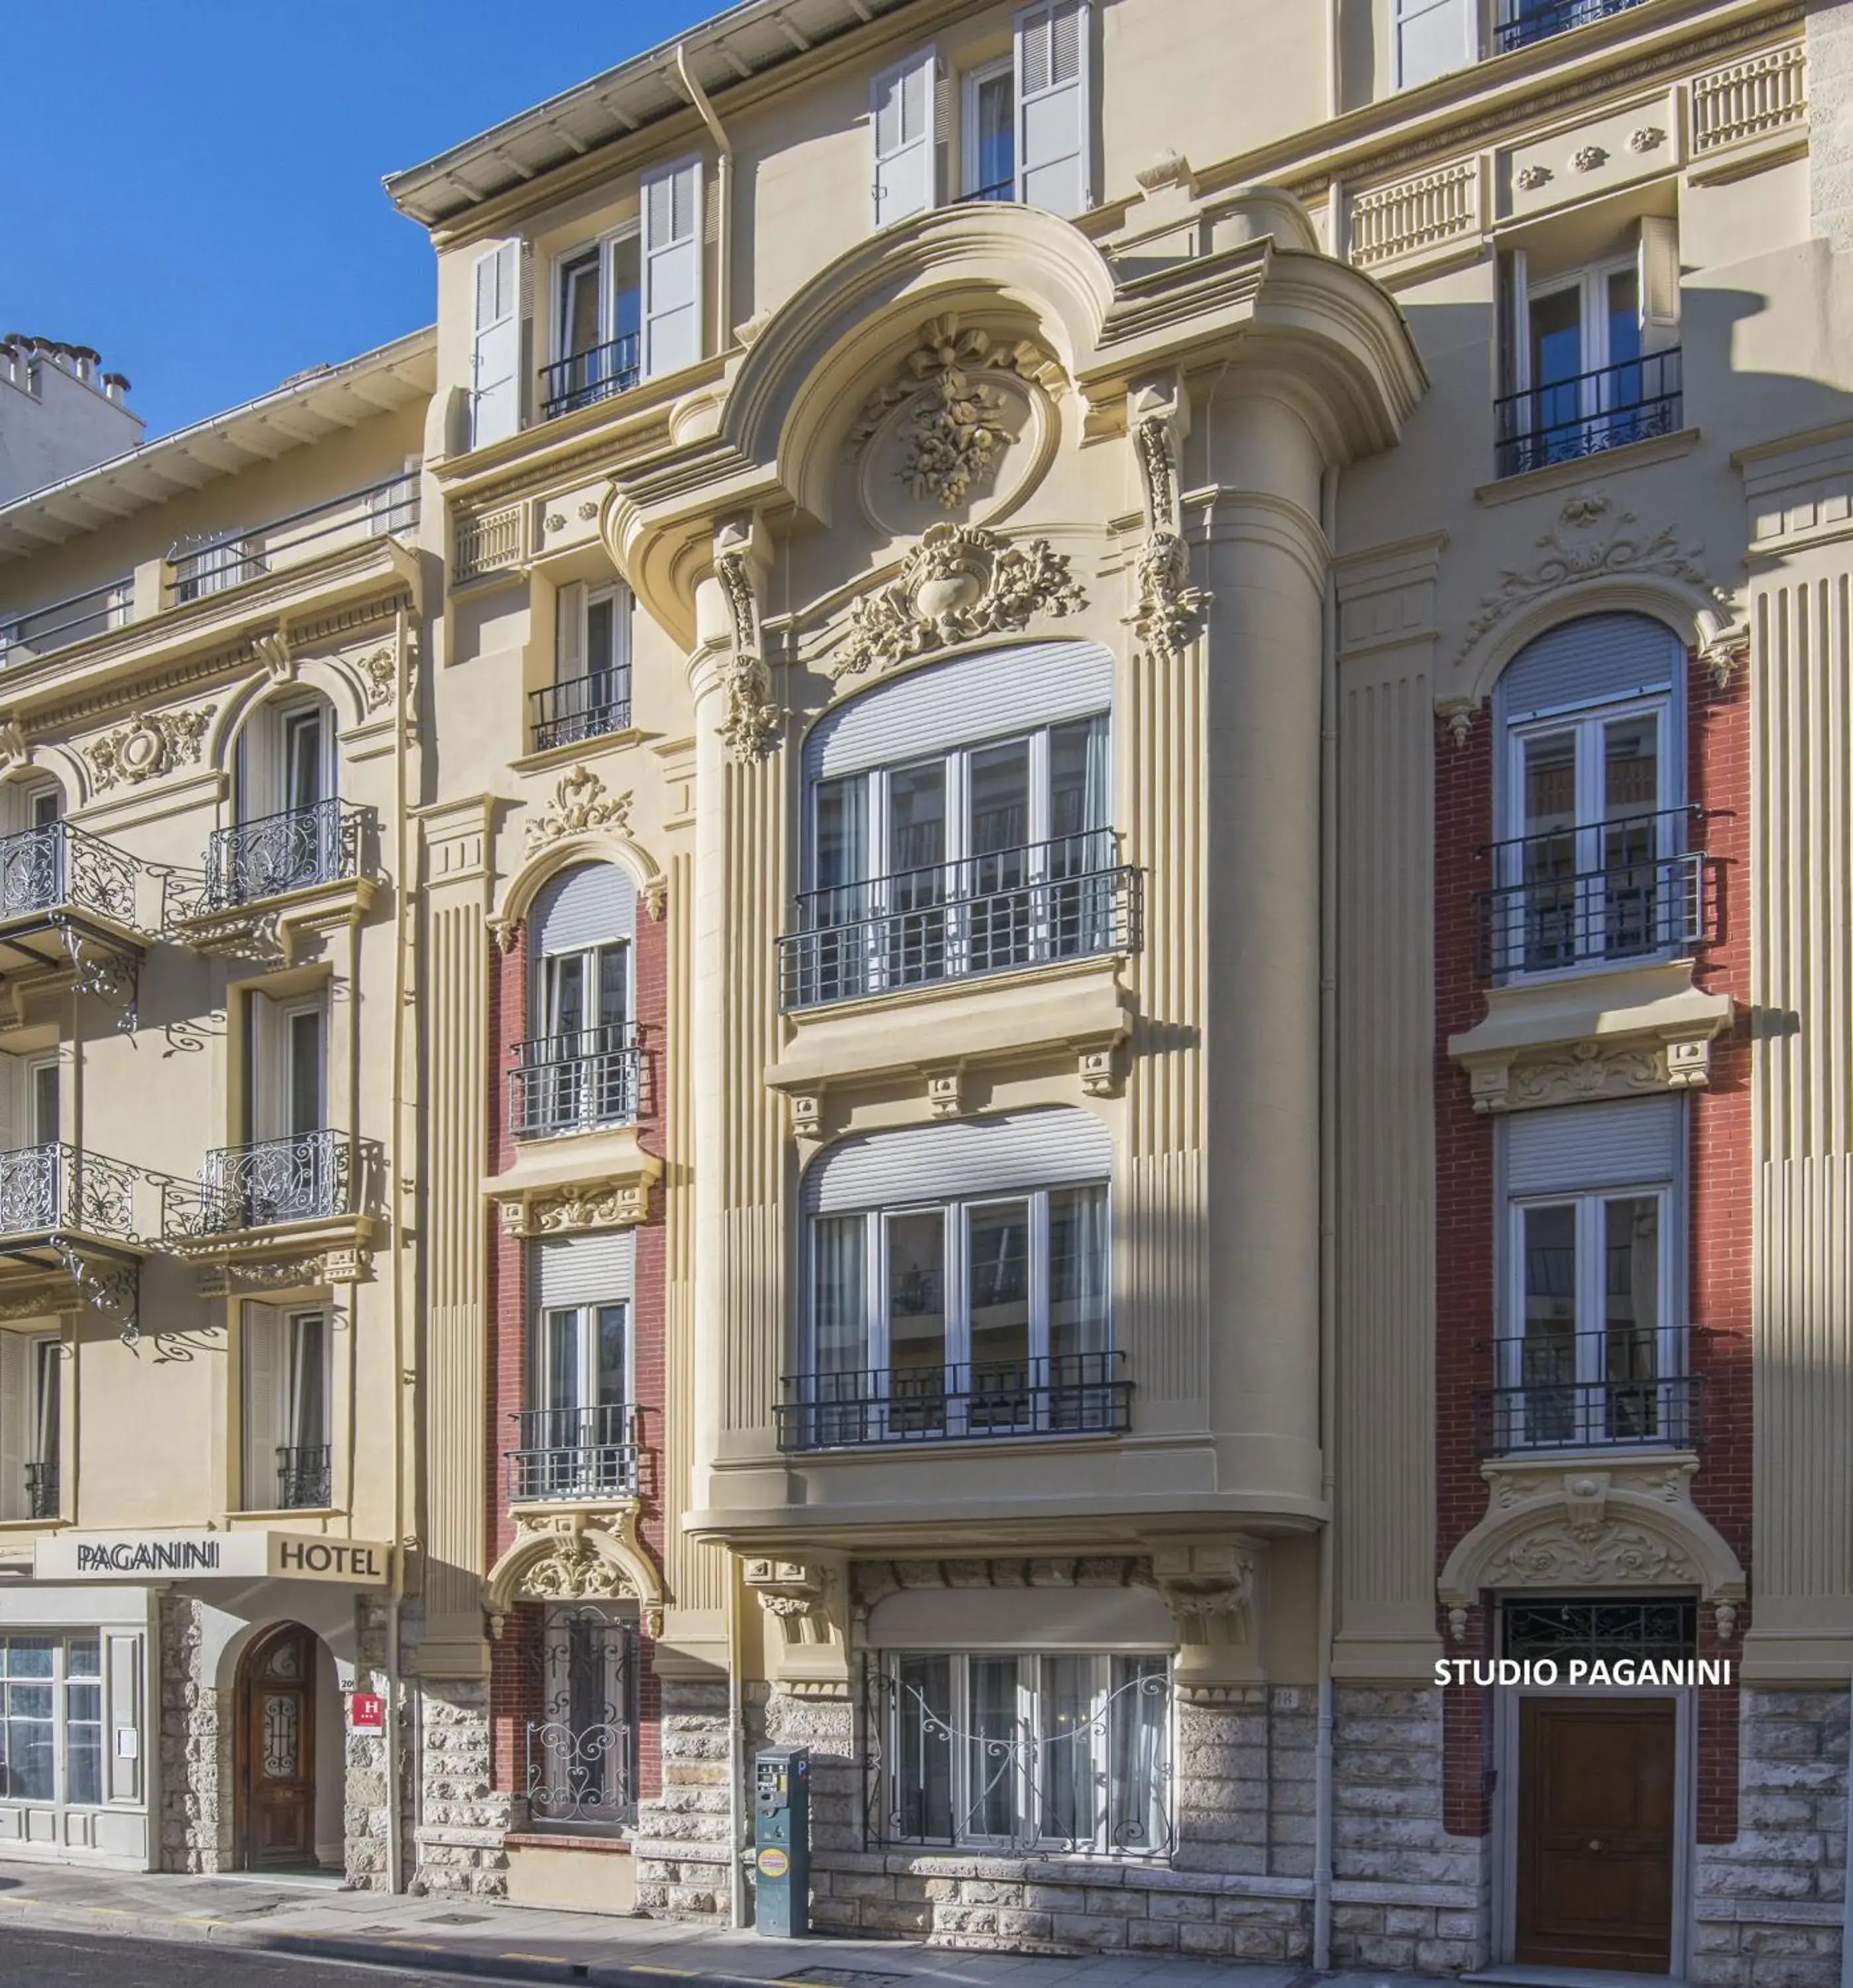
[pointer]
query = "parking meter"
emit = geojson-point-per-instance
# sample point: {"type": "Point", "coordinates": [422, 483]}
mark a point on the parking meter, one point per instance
{"type": "Point", "coordinates": [781, 1839]}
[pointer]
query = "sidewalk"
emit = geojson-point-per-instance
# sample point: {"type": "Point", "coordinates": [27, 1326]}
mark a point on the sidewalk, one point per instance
{"type": "Point", "coordinates": [519, 1943]}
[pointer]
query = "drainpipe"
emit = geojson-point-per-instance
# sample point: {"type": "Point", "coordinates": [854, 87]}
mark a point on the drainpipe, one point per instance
{"type": "Point", "coordinates": [1328, 1185]}
{"type": "Point", "coordinates": [723, 288]}
{"type": "Point", "coordinates": [736, 1759]}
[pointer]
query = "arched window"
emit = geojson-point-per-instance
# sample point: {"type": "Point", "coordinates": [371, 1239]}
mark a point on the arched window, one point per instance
{"type": "Point", "coordinates": [292, 832]}
{"type": "Point", "coordinates": [957, 1283]}
{"type": "Point", "coordinates": [1596, 862]}
{"type": "Point", "coordinates": [578, 1069]}
{"type": "Point", "coordinates": [958, 822]}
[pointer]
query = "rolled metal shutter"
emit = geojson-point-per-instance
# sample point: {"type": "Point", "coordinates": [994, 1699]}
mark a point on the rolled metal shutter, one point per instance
{"type": "Point", "coordinates": [1594, 659]}
{"type": "Point", "coordinates": [590, 904]}
{"type": "Point", "coordinates": [1005, 1154]}
{"type": "Point", "coordinates": [582, 1269]}
{"type": "Point", "coordinates": [1627, 1142]}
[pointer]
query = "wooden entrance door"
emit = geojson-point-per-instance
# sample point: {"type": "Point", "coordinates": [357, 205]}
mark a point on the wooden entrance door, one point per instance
{"type": "Point", "coordinates": [276, 1724]}
{"type": "Point", "coordinates": [1596, 1833]}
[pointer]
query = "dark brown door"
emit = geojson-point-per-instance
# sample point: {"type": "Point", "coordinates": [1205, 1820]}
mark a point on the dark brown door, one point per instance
{"type": "Point", "coordinates": [1595, 1837]}
{"type": "Point", "coordinates": [277, 1730]}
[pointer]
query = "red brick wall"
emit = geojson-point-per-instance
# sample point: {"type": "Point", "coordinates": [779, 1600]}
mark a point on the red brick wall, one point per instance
{"type": "Point", "coordinates": [1718, 753]}
{"type": "Point", "coordinates": [510, 1689]}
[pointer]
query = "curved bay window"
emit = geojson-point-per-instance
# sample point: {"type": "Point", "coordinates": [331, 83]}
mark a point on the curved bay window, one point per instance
{"type": "Point", "coordinates": [1601, 861]}
{"type": "Point", "coordinates": [959, 1287]}
{"type": "Point", "coordinates": [957, 824]}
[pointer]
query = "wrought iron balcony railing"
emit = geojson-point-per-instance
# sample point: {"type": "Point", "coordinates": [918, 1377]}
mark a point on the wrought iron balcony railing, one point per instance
{"type": "Point", "coordinates": [255, 860]}
{"type": "Point", "coordinates": [57, 1190]}
{"type": "Point", "coordinates": [573, 1082]}
{"type": "Point", "coordinates": [1590, 1390]}
{"type": "Point", "coordinates": [208, 565]}
{"type": "Point", "coordinates": [1065, 899]}
{"type": "Point", "coordinates": [42, 1491]}
{"type": "Point", "coordinates": [1067, 1394]}
{"type": "Point", "coordinates": [581, 708]}
{"type": "Point", "coordinates": [1537, 20]}
{"type": "Point", "coordinates": [1566, 419]}
{"type": "Point", "coordinates": [60, 622]}
{"type": "Point", "coordinates": [590, 1453]}
{"type": "Point", "coordinates": [583, 377]}
{"type": "Point", "coordinates": [997, 190]}
{"type": "Point", "coordinates": [1602, 893]}
{"type": "Point", "coordinates": [58, 866]}
{"type": "Point", "coordinates": [305, 1177]}
{"type": "Point", "coordinates": [303, 1476]}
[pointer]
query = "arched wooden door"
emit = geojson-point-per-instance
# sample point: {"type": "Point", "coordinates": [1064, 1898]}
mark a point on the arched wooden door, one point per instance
{"type": "Point", "coordinates": [276, 1704]}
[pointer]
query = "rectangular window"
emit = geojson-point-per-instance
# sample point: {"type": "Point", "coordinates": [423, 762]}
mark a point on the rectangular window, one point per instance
{"type": "Point", "coordinates": [31, 1381]}
{"type": "Point", "coordinates": [597, 325]}
{"type": "Point", "coordinates": [978, 1318]}
{"type": "Point", "coordinates": [1431, 37]}
{"type": "Point", "coordinates": [51, 1720]}
{"type": "Point", "coordinates": [590, 693]}
{"type": "Point", "coordinates": [576, 1437]}
{"type": "Point", "coordinates": [1014, 1754]}
{"type": "Point", "coordinates": [582, 1749]}
{"type": "Point", "coordinates": [989, 122]}
{"type": "Point", "coordinates": [288, 1454]}
{"type": "Point", "coordinates": [41, 1094]}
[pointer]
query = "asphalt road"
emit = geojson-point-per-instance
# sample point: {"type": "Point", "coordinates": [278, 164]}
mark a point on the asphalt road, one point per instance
{"type": "Point", "coordinates": [38, 1957]}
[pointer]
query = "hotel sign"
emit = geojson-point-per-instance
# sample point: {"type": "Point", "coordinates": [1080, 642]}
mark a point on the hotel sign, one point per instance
{"type": "Point", "coordinates": [257, 1555]}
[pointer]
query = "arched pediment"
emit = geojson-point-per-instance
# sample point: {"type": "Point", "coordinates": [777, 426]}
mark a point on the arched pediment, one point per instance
{"type": "Point", "coordinates": [584, 824]}
{"type": "Point", "coordinates": [1582, 1526]}
{"type": "Point", "coordinates": [576, 1555]}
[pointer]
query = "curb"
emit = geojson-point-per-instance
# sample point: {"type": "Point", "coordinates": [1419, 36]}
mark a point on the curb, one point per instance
{"type": "Point", "coordinates": [429, 1957]}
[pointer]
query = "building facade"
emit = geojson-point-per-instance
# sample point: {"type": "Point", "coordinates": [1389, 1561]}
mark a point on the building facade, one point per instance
{"type": "Point", "coordinates": [207, 1069]}
{"type": "Point", "coordinates": [1115, 1029]}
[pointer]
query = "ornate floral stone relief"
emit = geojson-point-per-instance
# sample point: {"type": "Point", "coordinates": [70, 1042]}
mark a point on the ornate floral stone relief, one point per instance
{"type": "Point", "coordinates": [1591, 540]}
{"type": "Point", "coordinates": [580, 805]}
{"type": "Point", "coordinates": [794, 1593]}
{"type": "Point", "coordinates": [753, 723]}
{"type": "Point", "coordinates": [1169, 610]}
{"type": "Point", "coordinates": [1577, 1073]}
{"type": "Point", "coordinates": [961, 582]}
{"type": "Point", "coordinates": [575, 1555]}
{"type": "Point", "coordinates": [956, 426]}
{"type": "Point", "coordinates": [1612, 1554]}
{"type": "Point", "coordinates": [377, 672]}
{"type": "Point", "coordinates": [152, 743]}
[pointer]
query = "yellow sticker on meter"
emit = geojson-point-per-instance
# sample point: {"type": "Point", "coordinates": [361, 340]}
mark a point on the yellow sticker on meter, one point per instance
{"type": "Point", "coordinates": [773, 1863]}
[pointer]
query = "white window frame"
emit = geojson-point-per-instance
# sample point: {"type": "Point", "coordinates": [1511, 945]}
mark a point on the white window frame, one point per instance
{"type": "Point", "coordinates": [35, 1070]}
{"type": "Point", "coordinates": [970, 83]}
{"type": "Point", "coordinates": [573, 662]}
{"type": "Point", "coordinates": [604, 246]}
{"type": "Point", "coordinates": [1470, 12]}
{"type": "Point", "coordinates": [45, 1441]}
{"type": "Point", "coordinates": [1588, 1331]}
{"type": "Point", "coordinates": [1590, 281]}
{"type": "Point", "coordinates": [61, 1684]}
{"type": "Point", "coordinates": [1024, 1759]}
{"type": "Point", "coordinates": [277, 1423]}
{"type": "Point", "coordinates": [585, 1332]}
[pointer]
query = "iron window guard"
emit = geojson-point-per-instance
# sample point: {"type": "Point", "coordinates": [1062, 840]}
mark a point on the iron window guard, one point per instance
{"type": "Point", "coordinates": [1635, 888]}
{"type": "Point", "coordinates": [1604, 1390]}
{"type": "Point", "coordinates": [578, 1452]}
{"type": "Point", "coordinates": [42, 1491]}
{"type": "Point", "coordinates": [584, 378]}
{"type": "Point", "coordinates": [572, 1082]}
{"type": "Point", "coordinates": [56, 1189]}
{"type": "Point", "coordinates": [202, 566]}
{"type": "Point", "coordinates": [578, 708]}
{"type": "Point", "coordinates": [581, 1752]}
{"type": "Point", "coordinates": [59, 866]}
{"type": "Point", "coordinates": [1537, 20]}
{"type": "Point", "coordinates": [1562, 420]}
{"type": "Point", "coordinates": [303, 1177]}
{"type": "Point", "coordinates": [1071, 898]}
{"type": "Point", "coordinates": [1065, 1394]}
{"type": "Point", "coordinates": [304, 1476]}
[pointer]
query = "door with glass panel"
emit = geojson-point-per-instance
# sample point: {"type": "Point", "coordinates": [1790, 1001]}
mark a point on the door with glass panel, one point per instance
{"type": "Point", "coordinates": [1589, 874]}
{"type": "Point", "coordinates": [585, 1000]}
{"type": "Point", "coordinates": [579, 1393]}
{"type": "Point", "coordinates": [1592, 1355]}
{"type": "Point", "coordinates": [287, 1172]}
{"type": "Point", "coordinates": [1584, 355]}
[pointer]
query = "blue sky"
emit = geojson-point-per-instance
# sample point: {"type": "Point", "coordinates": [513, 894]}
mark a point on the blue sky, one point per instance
{"type": "Point", "coordinates": [194, 187]}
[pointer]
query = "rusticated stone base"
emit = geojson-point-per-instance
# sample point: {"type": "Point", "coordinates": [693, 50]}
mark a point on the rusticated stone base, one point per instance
{"type": "Point", "coordinates": [1770, 1904]}
{"type": "Point", "coordinates": [458, 1841]}
{"type": "Point", "coordinates": [196, 1822]}
{"type": "Point", "coordinates": [683, 1843]}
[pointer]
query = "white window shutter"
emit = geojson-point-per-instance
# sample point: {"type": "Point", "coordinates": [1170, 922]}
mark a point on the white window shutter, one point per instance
{"type": "Point", "coordinates": [569, 656]}
{"type": "Point", "coordinates": [263, 1335]}
{"type": "Point", "coordinates": [1054, 108]}
{"type": "Point", "coordinates": [901, 116]}
{"type": "Point", "coordinates": [15, 1421]}
{"type": "Point", "coordinates": [672, 267]}
{"type": "Point", "coordinates": [1432, 37]}
{"type": "Point", "coordinates": [1659, 279]}
{"type": "Point", "coordinates": [496, 344]}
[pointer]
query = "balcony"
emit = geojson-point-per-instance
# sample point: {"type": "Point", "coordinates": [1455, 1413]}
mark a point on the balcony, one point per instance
{"type": "Point", "coordinates": [1612, 893]}
{"type": "Point", "coordinates": [303, 1477]}
{"type": "Point", "coordinates": [574, 1083]}
{"type": "Point", "coordinates": [1034, 906]}
{"type": "Point", "coordinates": [584, 1453]}
{"type": "Point", "coordinates": [1537, 20]}
{"type": "Point", "coordinates": [1590, 1390]}
{"type": "Point", "coordinates": [70, 1232]}
{"type": "Point", "coordinates": [584, 378]}
{"type": "Point", "coordinates": [1062, 1394]}
{"type": "Point", "coordinates": [68, 913]}
{"type": "Point", "coordinates": [198, 568]}
{"type": "Point", "coordinates": [305, 1202]}
{"type": "Point", "coordinates": [25, 637]}
{"type": "Point", "coordinates": [42, 1491]}
{"type": "Point", "coordinates": [1566, 420]}
{"type": "Point", "coordinates": [306, 869]}
{"type": "Point", "coordinates": [580, 707]}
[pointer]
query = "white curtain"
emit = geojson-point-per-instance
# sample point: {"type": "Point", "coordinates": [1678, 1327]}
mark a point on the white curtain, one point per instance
{"type": "Point", "coordinates": [1078, 1270]}
{"type": "Point", "coordinates": [839, 1295]}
